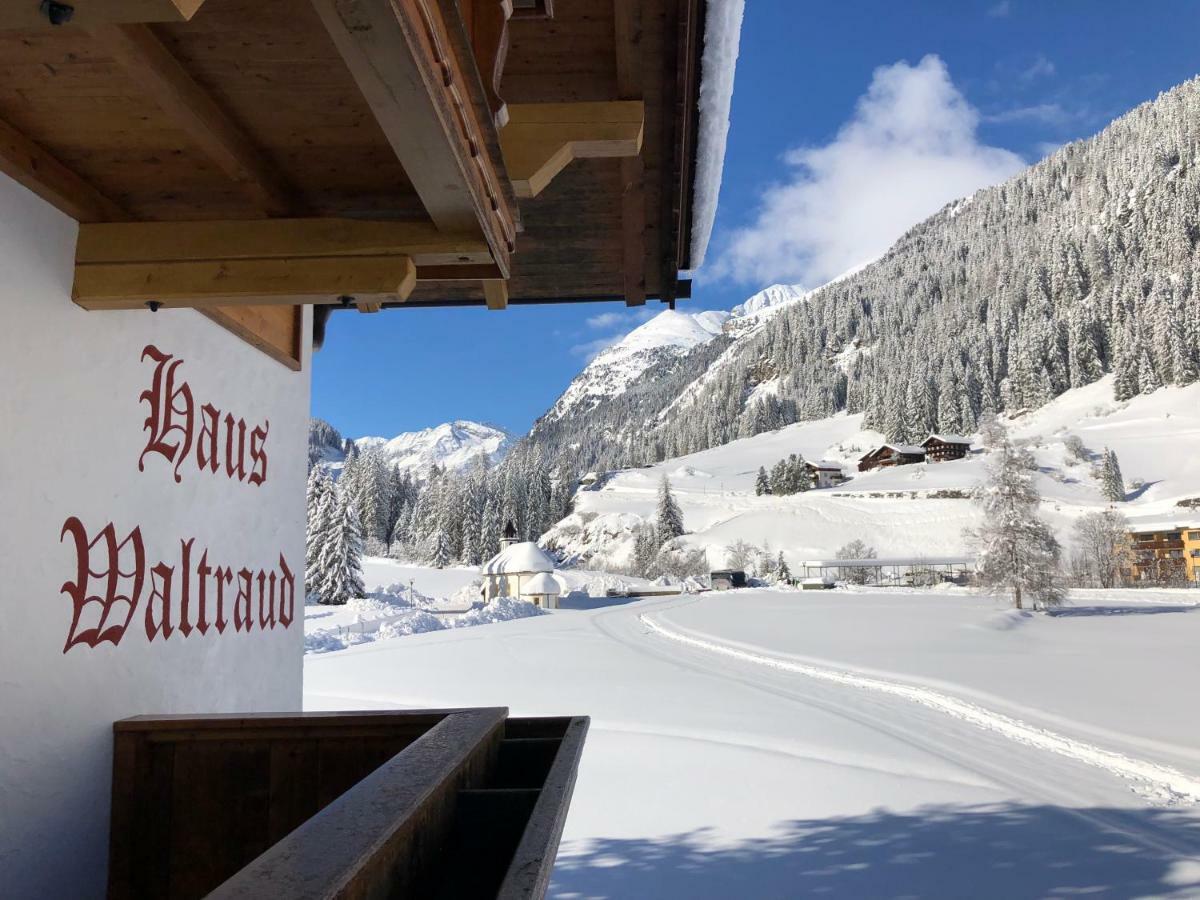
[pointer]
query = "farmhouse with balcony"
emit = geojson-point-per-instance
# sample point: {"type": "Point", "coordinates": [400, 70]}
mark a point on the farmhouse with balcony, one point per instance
{"type": "Point", "coordinates": [943, 447]}
{"type": "Point", "coordinates": [188, 190]}
{"type": "Point", "coordinates": [1165, 552]}
{"type": "Point", "coordinates": [891, 455]}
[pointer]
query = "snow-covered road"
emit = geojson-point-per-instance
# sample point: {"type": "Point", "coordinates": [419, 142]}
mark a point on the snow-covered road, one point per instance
{"type": "Point", "coordinates": [724, 767]}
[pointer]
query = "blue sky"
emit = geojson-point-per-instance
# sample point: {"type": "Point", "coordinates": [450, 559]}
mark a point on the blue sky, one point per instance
{"type": "Point", "coordinates": [851, 121]}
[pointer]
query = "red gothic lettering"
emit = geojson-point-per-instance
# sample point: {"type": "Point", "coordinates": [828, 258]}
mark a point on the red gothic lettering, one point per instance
{"type": "Point", "coordinates": [202, 573]}
{"type": "Point", "coordinates": [230, 469]}
{"type": "Point", "coordinates": [110, 575]}
{"type": "Point", "coordinates": [185, 593]}
{"type": "Point", "coordinates": [224, 576]}
{"type": "Point", "coordinates": [287, 593]}
{"type": "Point", "coordinates": [258, 458]}
{"type": "Point", "coordinates": [172, 427]}
{"type": "Point", "coordinates": [241, 606]}
{"type": "Point", "coordinates": [160, 581]}
{"type": "Point", "coordinates": [114, 576]}
{"type": "Point", "coordinates": [206, 447]}
{"type": "Point", "coordinates": [161, 422]}
{"type": "Point", "coordinates": [266, 606]}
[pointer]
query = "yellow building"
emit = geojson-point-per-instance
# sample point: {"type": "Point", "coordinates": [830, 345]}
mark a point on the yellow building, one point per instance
{"type": "Point", "coordinates": [1166, 551]}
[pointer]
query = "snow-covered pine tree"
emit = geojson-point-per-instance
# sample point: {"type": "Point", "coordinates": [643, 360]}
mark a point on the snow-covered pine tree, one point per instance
{"type": "Point", "coordinates": [439, 552]}
{"type": "Point", "coordinates": [340, 565]}
{"type": "Point", "coordinates": [782, 572]}
{"type": "Point", "coordinates": [1017, 552]}
{"type": "Point", "coordinates": [1112, 482]}
{"type": "Point", "coordinates": [645, 549]}
{"type": "Point", "coordinates": [670, 518]}
{"type": "Point", "coordinates": [322, 512]}
{"type": "Point", "coordinates": [762, 484]}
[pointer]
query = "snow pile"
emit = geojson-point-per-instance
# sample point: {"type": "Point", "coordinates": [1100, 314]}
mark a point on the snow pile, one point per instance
{"type": "Point", "coordinates": [415, 621]}
{"type": "Point", "coordinates": [722, 37]}
{"type": "Point", "coordinates": [502, 609]}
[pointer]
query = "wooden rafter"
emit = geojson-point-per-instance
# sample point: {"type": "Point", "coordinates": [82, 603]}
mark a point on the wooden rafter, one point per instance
{"type": "Point", "coordinates": [207, 284]}
{"type": "Point", "coordinates": [495, 293]}
{"type": "Point", "coordinates": [627, 16]}
{"type": "Point", "coordinates": [32, 166]}
{"type": "Point", "coordinates": [169, 84]}
{"type": "Point", "coordinates": [541, 139]}
{"type": "Point", "coordinates": [92, 13]}
{"type": "Point", "coordinates": [151, 242]}
{"type": "Point", "coordinates": [405, 57]}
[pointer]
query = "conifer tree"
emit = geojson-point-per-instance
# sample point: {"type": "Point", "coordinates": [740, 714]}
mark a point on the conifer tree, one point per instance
{"type": "Point", "coordinates": [322, 516]}
{"type": "Point", "coordinates": [670, 518]}
{"type": "Point", "coordinates": [1017, 552]}
{"type": "Point", "coordinates": [340, 565]}
{"type": "Point", "coordinates": [761, 484]}
{"type": "Point", "coordinates": [1112, 482]}
{"type": "Point", "coordinates": [782, 572]}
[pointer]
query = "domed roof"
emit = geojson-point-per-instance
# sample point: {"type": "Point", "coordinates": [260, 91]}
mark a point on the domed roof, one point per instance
{"type": "Point", "coordinates": [522, 558]}
{"type": "Point", "coordinates": [541, 583]}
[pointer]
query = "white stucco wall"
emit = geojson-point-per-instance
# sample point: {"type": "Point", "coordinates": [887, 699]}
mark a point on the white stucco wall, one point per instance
{"type": "Point", "coordinates": [71, 434]}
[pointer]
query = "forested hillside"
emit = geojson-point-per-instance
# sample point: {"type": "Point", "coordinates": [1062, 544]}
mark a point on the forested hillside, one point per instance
{"type": "Point", "coordinates": [1083, 264]}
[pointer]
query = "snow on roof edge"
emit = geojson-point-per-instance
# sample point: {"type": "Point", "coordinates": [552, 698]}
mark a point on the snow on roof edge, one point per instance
{"type": "Point", "coordinates": [722, 38]}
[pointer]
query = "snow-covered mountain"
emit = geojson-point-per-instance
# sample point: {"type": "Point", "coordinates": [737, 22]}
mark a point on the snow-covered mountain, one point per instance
{"type": "Point", "coordinates": [671, 335]}
{"type": "Point", "coordinates": [668, 335]}
{"type": "Point", "coordinates": [452, 446]}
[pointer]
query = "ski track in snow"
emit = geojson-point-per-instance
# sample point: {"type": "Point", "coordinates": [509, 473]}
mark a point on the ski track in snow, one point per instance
{"type": "Point", "coordinates": [1160, 784]}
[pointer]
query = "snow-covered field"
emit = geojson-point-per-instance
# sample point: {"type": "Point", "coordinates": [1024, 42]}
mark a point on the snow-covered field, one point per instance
{"type": "Point", "coordinates": [899, 511]}
{"type": "Point", "coordinates": [768, 743]}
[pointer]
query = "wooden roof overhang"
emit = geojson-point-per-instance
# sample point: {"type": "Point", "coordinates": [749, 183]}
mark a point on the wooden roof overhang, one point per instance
{"type": "Point", "coordinates": [244, 157]}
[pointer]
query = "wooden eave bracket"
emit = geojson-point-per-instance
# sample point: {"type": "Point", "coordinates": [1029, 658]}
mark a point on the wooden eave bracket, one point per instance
{"type": "Point", "coordinates": [541, 139]}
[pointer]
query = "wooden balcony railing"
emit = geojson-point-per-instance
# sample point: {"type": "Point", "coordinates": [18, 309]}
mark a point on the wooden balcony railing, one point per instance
{"type": "Point", "coordinates": [455, 803]}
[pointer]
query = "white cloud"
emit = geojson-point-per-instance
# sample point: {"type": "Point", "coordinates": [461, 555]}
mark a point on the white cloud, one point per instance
{"type": "Point", "coordinates": [910, 147]}
{"type": "Point", "coordinates": [1000, 10]}
{"type": "Point", "coordinates": [1039, 68]}
{"type": "Point", "coordinates": [1047, 113]}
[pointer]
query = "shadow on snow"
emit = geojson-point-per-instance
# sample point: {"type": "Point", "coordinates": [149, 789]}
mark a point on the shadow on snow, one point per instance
{"type": "Point", "coordinates": [1067, 611]}
{"type": "Point", "coordinates": [999, 851]}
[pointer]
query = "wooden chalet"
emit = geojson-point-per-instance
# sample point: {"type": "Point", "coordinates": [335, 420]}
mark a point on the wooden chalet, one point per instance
{"type": "Point", "coordinates": [944, 447]}
{"type": "Point", "coordinates": [891, 455]}
{"type": "Point", "coordinates": [259, 164]}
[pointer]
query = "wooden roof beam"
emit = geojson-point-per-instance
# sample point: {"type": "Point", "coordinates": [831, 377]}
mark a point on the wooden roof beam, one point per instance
{"type": "Point", "coordinates": [247, 282]}
{"type": "Point", "coordinates": [220, 241]}
{"type": "Point", "coordinates": [32, 166]}
{"type": "Point", "coordinates": [94, 13]}
{"type": "Point", "coordinates": [168, 83]}
{"type": "Point", "coordinates": [414, 66]}
{"type": "Point", "coordinates": [541, 139]}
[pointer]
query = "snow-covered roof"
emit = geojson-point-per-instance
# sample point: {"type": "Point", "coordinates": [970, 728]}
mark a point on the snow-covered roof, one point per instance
{"type": "Point", "coordinates": [722, 37]}
{"type": "Point", "coordinates": [519, 559]}
{"type": "Point", "coordinates": [898, 448]}
{"type": "Point", "coordinates": [947, 439]}
{"type": "Point", "coordinates": [823, 464]}
{"type": "Point", "coordinates": [1156, 523]}
{"type": "Point", "coordinates": [542, 583]}
{"type": "Point", "coordinates": [891, 561]}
